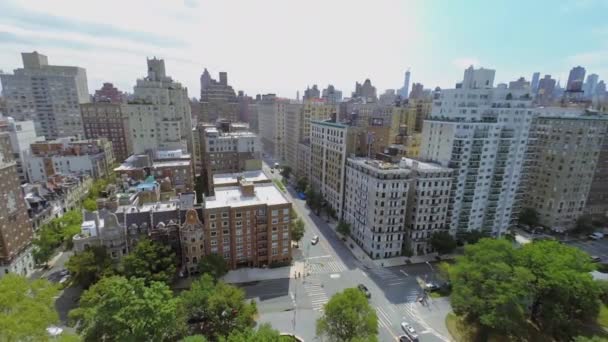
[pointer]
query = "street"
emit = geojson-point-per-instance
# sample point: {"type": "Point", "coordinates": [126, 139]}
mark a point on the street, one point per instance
{"type": "Point", "coordinates": [293, 305]}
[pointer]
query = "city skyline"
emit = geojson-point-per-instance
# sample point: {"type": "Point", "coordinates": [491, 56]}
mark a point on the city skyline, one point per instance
{"type": "Point", "coordinates": [378, 42]}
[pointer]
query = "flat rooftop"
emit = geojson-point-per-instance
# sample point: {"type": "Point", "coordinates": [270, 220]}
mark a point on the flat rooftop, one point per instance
{"type": "Point", "coordinates": [410, 163]}
{"type": "Point", "coordinates": [232, 178]}
{"type": "Point", "coordinates": [171, 163]}
{"type": "Point", "coordinates": [148, 207]}
{"type": "Point", "coordinates": [231, 196]}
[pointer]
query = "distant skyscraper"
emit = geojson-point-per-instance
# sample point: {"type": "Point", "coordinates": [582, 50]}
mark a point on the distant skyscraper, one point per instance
{"type": "Point", "coordinates": [600, 89]}
{"type": "Point", "coordinates": [535, 80]}
{"type": "Point", "coordinates": [546, 87]}
{"type": "Point", "coordinates": [47, 94]}
{"type": "Point", "coordinates": [590, 85]}
{"type": "Point", "coordinates": [417, 91]}
{"type": "Point", "coordinates": [365, 91]}
{"type": "Point", "coordinates": [312, 93]}
{"type": "Point", "coordinates": [388, 97]}
{"type": "Point", "coordinates": [331, 94]}
{"type": "Point", "coordinates": [575, 79]}
{"type": "Point", "coordinates": [109, 93]}
{"type": "Point", "coordinates": [520, 84]}
{"type": "Point", "coordinates": [218, 99]}
{"type": "Point", "coordinates": [405, 90]}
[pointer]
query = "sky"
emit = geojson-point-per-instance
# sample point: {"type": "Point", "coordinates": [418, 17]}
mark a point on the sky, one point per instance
{"type": "Point", "coordinates": [281, 46]}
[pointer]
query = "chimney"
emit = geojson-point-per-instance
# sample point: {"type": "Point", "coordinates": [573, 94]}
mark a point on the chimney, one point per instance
{"type": "Point", "coordinates": [247, 188]}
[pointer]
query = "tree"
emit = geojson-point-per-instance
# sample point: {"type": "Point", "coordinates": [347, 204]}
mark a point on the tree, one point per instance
{"type": "Point", "coordinates": [443, 242]}
{"type": "Point", "coordinates": [286, 172]}
{"type": "Point", "coordinates": [343, 228]}
{"type": "Point", "coordinates": [584, 225]}
{"type": "Point", "coordinates": [347, 316]}
{"type": "Point", "coordinates": [314, 200]}
{"type": "Point", "coordinates": [563, 292]}
{"type": "Point", "coordinates": [89, 204]}
{"type": "Point", "coordinates": [473, 236]}
{"type": "Point", "coordinates": [214, 265]}
{"type": "Point", "coordinates": [121, 309]}
{"type": "Point", "coordinates": [297, 230]}
{"type": "Point", "coordinates": [26, 308]}
{"type": "Point", "coordinates": [301, 184]}
{"type": "Point", "coordinates": [590, 339]}
{"type": "Point", "coordinates": [215, 309]}
{"type": "Point", "coordinates": [151, 261]}
{"type": "Point", "coordinates": [529, 216]}
{"type": "Point", "coordinates": [53, 234]}
{"type": "Point", "coordinates": [194, 338]}
{"type": "Point", "coordinates": [90, 265]}
{"type": "Point", "coordinates": [489, 288]}
{"type": "Point", "coordinates": [265, 333]}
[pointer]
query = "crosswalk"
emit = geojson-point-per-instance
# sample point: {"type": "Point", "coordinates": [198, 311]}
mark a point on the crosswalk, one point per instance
{"type": "Point", "coordinates": [315, 291]}
{"type": "Point", "coordinates": [388, 277]}
{"type": "Point", "coordinates": [384, 319]}
{"type": "Point", "coordinates": [326, 265]}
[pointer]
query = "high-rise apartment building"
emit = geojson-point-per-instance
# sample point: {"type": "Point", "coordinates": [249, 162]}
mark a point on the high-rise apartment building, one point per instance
{"type": "Point", "coordinates": [591, 85]}
{"type": "Point", "coordinates": [15, 227]}
{"type": "Point", "coordinates": [252, 230]}
{"type": "Point", "coordinates": [597, 200]}
{"type": "Point", "coordinates": [546, 88]}
{"type": "Point", "coordinates": [271, 125]}
{"type": "Point", "coordinates": [218, 99]}
{"type": "Point", "coordinates": [519, 84]}
{"type": "Point", "coordinates": [482, 133]}
{"type": "Point", "coordinates": [576, 79]}
{"type": "Point", "coordinates": [312, 93]}
{"type": "Point", "coordinates": [109, 93]}
{"type": "Point", "coordinates": [330, 144]}
{"type": "Point", "coordinates": [534, 82]}
{"type": "Point", "coordinates": [159, 115]}
{"type": "Point", "coordinates": [332, 95]}
{"type": "Point", "coordinates": [49, 95]}
{"type": "Point", "coordinates": [565, 156]}
{"type": "Point", "coordinates": [22, 134]}
{"type": "Point", "coordinates": [110, 121]}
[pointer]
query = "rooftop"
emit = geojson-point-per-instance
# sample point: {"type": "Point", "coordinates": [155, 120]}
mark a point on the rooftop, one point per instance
{"type": "Point", "coordinates": [171, 163]}
{"type": "Point", "coordinates": [420, 165]}
{"type": "Point", "coordinates": [233, 178]}
{"type": "Point", "coordinates": [148, 207]}
{"type": "Point", "coordinates": [231, 196]}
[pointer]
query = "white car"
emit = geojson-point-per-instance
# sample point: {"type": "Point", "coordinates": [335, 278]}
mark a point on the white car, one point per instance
{"type": "Point", "coordinates": [596, 236]}
{"type": "Point", "coordinates": [314, 240]}
{"type": "Point", "coordinates": [409, 331]}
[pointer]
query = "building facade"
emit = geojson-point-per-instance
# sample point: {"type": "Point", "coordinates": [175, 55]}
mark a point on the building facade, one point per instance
{"type": "Point", "coordinates": [271, 125]}
{"type": "Point", "coordinates": [159, 114]}
{"type": "Point", "coordinates": [482, 133]}
{"type": "Point", "coordinates": [565, 157]}
{"type": "Point", "coordinates": [49, 95]}
{"type": "Point", "coordinates": [15, 227]}
{"type": "Point", "coordinates": [110, 121]}
{"type": "Point", "coordinates": [22, 135]}
{"type": "Point", "coordinates": [330, 144]}
{"type": "Point", "coordinates": [109, 93]}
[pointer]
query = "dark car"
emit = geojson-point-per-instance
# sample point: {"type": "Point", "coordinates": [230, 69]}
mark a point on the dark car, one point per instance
{"type": "Point", "coordinates": [365, 291]}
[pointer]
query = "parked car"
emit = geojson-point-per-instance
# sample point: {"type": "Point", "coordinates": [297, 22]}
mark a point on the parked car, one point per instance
{"type": "Point", "coordinates": [409, 331]}
{"type": "Point", "coordinates": [64, 272]}
{"type": "Point", "coordinates": [301, 195]}
{"type": "Point", "coordinates": [595, 258]}
{"type": "Point", "coordinates": [314, 240]}
{"type": "Point", "coordinates": [596, 236]}
{"type": "Point", "coordinates": [365, 291]}
{"type": "Point", "coordinates": [404, 338]}
{"type": "Point", "coordinates": [431, 286]}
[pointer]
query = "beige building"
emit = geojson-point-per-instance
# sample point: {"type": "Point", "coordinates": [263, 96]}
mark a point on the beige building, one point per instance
{"type": "Point", "coordinates": [303, 169]}
{"type": "Point", "coordinates": [566, 154]}
{"type": "Point", "coordinates": [271, 125]}
{"type": "Point", "coordinates": [248, 225]}
{"type": "Point", "coordinates": [597, 201]}
{"type": "Point", "coordinates": [159, 115]}
{"type": "Point", "coordinates": [330, 144]}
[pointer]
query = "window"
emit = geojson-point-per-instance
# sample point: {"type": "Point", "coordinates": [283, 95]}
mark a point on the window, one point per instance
{"type": "Point", "coordinates": [275, 212]}
{"type": "Point", "coordinates": [275, 251]}
{"type": "Point", "coordinates": [212, 216]}
{"type": "Point", "coordinates": [213, 242]}
{"type": "Point", "coordinates": [286, 211]}
{"type": "Point", "coordinates": [285, 250]}
{"type": "Point", "coordinates": [285, 235]}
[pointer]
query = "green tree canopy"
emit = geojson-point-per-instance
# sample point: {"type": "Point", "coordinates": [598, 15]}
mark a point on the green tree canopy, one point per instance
{"type": "Point", "coordinates": [150, 261]}
{"type": "Point", "coordinates": [502, 287]}
{"type": "Point", "coordinates": [89, 204]}
{"type": "Point", "coordinates": [529, 216]}
{"type": "Point", "coordinates": [90, 265]}
{"type": "Point", "coordinates": [297, 230]}
{"type": "Point", "coordinates": [214, 265]}
{"type": "Point", "coordinates": [53, 234]}
{"type": "Point", "coordinates": [343, 228]}
{"type": "Point", "coordinates": [121, 309]}
{"type": "Point", "coordinates": [194, 338]}
{"type": "Point", "coordinates": [348, 316]}
{"type": "Point", "coordinates": [265, 333]}
{"type": "Point", "coordinates": [26, 308]}
{"type": "Point", "coordinates": [443, 242]}
{"type": "Point", "coordinates": [301, 184]}
{"type": "Point", "coordinates": [584, 225]}
{"type": "Point", "coordinates": [215, 309]}
{"type": "Point", "coordinates": [590, 339]}
{"type": "Point", "coordinates": [286, 171]}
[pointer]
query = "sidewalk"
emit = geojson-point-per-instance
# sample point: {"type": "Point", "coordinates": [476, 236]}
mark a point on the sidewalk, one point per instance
{"type": "Point", "coordinates": [368, 262]}
{"type": "Point", "coordinates": [245, 275]}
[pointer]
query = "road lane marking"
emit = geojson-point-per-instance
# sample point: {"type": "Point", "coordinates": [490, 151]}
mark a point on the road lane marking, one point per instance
{"type": "Point", "coordinates": [397, 283]}
{"type": "Point", "coordinates": [319, 257]}
{"type": "Point", "coordinates": [385, 321]}
{"type": "Point", "coordinates": [404, 273]}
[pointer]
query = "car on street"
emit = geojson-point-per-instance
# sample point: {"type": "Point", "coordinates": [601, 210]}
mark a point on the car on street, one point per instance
{"type": "Point", "coordinates": [595, 258]}
{"type": "Point", "coordinates": [365, 291]}
{"type": "Point", "coordinates": [596, 236]}
{"type": "Point", "coordinates": [409, 331]}
{"type": "Point", "coordinates": [314, 240]}
{"type": "Point", "coordinates": [64, 272]}
{"type": "Point", "coordinates": [431, 286]}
